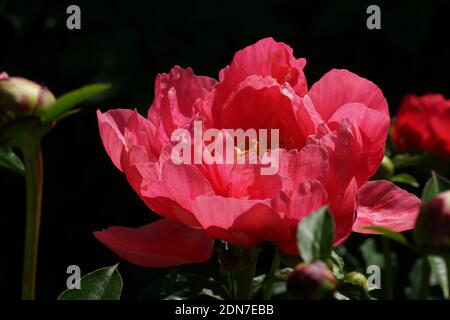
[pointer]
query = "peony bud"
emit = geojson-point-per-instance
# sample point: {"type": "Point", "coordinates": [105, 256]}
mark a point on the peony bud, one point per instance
{"type": "Point", "coordinates": [433, 222]}
{"type": "Point", "coordinates": [313, 281]}
{"type": "Point", "coordinates": [21, 97]}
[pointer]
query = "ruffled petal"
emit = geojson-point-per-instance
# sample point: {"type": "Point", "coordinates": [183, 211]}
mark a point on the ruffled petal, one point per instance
{"type": "Point", "coordinates": [265, 58]}
{"type": "Point", "coordinates": [344, 146]}
{"type": "Point", "coordinates": [175, 96]}
{"type": "Point", "coordinates": [373, 127]}
{"type": "Point", "coordinates": [339, 87]}
{"type": "Point", "coordinates": [161, 244]}
{"type": "Point", "coordinates": [243, 223]}
{"type": "Point", "coordinates": [268, 58]}
{"type": "Point", "coordinates": [311, 162]}
{"type": "Point", "coordinates": [383, 204]}
{"type": "Point", "coordinates": [262, 103]}
{"type": "Point", "coordinates": [112, 127]}
{"type": "Point", "coordinates": [343, 209]}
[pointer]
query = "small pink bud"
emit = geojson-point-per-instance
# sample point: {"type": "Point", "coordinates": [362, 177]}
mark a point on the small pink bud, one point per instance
{"type": "Point", "coordinates": [433, 223]}
{"type": "Point", "coordinates": [21, 97]}
{"type": "Point", "coordinates": [313, 281]}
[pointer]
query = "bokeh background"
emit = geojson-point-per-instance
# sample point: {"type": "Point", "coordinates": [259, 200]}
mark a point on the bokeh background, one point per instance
{"type": "Point", "coordinates": [126, 43]}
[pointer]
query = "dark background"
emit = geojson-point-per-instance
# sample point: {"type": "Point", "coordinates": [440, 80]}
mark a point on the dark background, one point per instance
{"type": "Point", "coordinates": [126, 43]}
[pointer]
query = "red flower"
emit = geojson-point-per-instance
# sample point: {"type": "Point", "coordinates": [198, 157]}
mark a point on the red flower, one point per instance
{"type": "Point", "coordinates": [422, 124]}
{"type": "Point", "coordinates": [331, 141]}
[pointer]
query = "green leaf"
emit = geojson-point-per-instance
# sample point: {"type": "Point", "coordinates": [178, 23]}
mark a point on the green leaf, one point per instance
{"type": "Point", "coordinates": [392, 235]}
{"type": "Point", "coordinates": [69, 100]}
{"type": "Point", "coordinates": [435, 185]}
{"type": "Point", "coordinates": [406, 160]}
{"type": "Point", "coordinates": [315, 235]}
{"type": "Point", "coordinates": [10, 160]}
{"type": "Point", "coordinates": [406, 179]}
{"type": "Point", "coordinates": [439, 272]}
{"type": "Point", "coordinates": [337, 265]}
{"type": "Point", "coordinates": [102, 284]}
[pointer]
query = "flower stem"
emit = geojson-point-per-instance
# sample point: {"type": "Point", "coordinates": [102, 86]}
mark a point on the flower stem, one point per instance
{"type": "Point", "coordinates": [34, 181]}
{"type": "Point", "coordinates": [388, 270]}
{"type": "Point", "coordinates": [447, 266]}
{"type": "Point", "coordinates": [424, 285]}
{"type": "Point", "coordinates": [233, 286]}
{"type": "Point", "coordinates": [267, 293]}
{"type": "Point", "coordinates": [244, 276]}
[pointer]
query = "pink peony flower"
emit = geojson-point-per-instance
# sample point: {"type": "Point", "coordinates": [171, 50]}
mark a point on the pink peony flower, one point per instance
{"type": "Point", "coordinates": [332, 139]}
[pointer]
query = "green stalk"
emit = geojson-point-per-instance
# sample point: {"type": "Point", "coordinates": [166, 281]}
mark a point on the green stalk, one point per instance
{"type": "Point", "coordinates": [34, 181]}
{"type": "Point", "coordinates": [270, 278]}
{"type": "Point", "coordinates": [388, 270]}
{"type": "Point", "coordinates": [424, 286]}
{"type": "Point", "coordinates": [233, 286]}
{"type": "Point", "coordinates": [244, 276]}
{"type": "Point", "coordinates": [447, 266]}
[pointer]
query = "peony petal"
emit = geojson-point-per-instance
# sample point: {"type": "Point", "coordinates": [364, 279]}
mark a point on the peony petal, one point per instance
{"type": "Point", "coordinates": [161, 244]}
{"type": "Point", "coordinates": [243, 223]}
{"type": "Point", "coordinates": [339, 87]}
{"type": "Point", "coordinates": [176, 93]}
{"type": "Point", "coordinates": [246, 181]}
{"type": "Point", "coordinates": [268, 58]}
{"type": "Point", "coordinates": [159, 187]}
{"type": "Point", "coordinates": [310, 197]}
{"type": "Point", "coordinates": [183, 183]}
{"type": "Point", "coordinates": [140, 132]}
{"type": "Point", "coordinates": [344, 150]}
{"type": "Point", "coordinates": [175, 96]}
{"type": "Point", "coordinates": [343, 210]}
{"type": "Point", "coordinates": [112, 127]}
{"type": "Point", "coordinates": [262, 103]}
{"type": "Point", "coordinates": [311, 162]}
{"type": "Point", "coordinates": [373, 127]}
{"type": "Point", "coordinates": [265, 58]}
{"type": "Point", "coordinates": [381, 203]}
